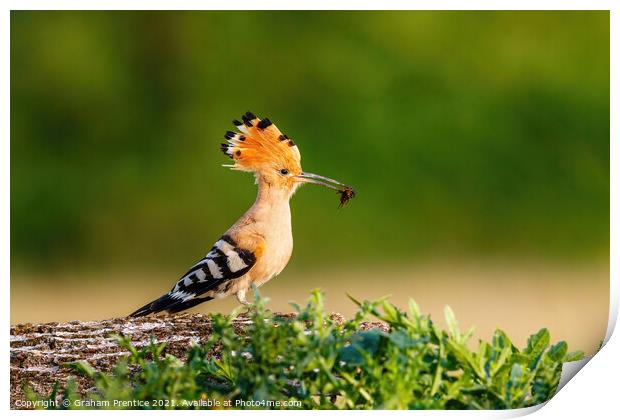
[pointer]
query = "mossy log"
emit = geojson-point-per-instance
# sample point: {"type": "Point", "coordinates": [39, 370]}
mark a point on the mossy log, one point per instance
{"type": "Point", "coordinates": [40, 352]}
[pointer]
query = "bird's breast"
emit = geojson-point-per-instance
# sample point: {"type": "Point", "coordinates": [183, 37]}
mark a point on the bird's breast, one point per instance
{"type": "Point", "coordinates": [277, 249]}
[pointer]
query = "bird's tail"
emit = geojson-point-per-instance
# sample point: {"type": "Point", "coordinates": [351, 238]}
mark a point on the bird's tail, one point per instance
{"type": "Point", "coordinates": [169, 304]}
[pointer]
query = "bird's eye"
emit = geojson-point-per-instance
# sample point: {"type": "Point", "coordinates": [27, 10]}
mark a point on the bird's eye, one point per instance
{"type": "Point", "coordinates": [284, 171]}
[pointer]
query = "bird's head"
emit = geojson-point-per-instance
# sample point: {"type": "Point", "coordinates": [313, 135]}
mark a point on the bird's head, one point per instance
{"type": "Point", "coordinates": [273, 157]}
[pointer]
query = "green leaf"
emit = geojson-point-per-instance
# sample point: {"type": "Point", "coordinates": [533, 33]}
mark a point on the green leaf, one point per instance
{"type": "Point", "coordinates": [364, 343]}
{"type": "Point", "coordinates": [295, 306]}
{"type": "Point", "coordinates": [468, 334]}
{"type": "Point", "coordinates": [453, 327]}
{"type": "Point", "coordinates": [466, 358]}
{"type": "Point", "coordinates": [84, 368]}
{"type": "Point", "coordinates": [357, 302]}
{"type": "Point", "coordinates": [402, 339]}
{"type": "Point", "coordinates": [503, 357]}
{"type": "Point", "coordinates": [516, 374]}
{"type": "Point", "coordinates": [391, 313]}
{"type": "Point", "coordinates": [414, 309]}
{"type": "Point", "coordinates": [574, 356]}
{"type": "Point", "coordinates": [558, 351]}
{"type": "Point", "coordinates": [537, 343]}
{"type": "Point", "coordinates": [501, 340]}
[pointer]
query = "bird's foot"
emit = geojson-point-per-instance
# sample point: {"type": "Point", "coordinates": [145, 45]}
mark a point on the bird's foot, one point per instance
{"type": "Point", "coordinates": [242, 299]}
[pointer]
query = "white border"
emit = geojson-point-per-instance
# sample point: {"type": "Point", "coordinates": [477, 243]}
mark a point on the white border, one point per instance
{"type": "Point", "coordinates": [593, 394]}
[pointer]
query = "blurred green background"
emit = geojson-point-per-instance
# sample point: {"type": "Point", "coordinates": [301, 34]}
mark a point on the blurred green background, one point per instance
{"type": "Point", "coordinates": [469, 136]}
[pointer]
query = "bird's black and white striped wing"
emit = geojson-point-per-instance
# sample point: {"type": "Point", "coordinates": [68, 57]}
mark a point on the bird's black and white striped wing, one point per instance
{"type": "Point", "coordinates": [225, 262]}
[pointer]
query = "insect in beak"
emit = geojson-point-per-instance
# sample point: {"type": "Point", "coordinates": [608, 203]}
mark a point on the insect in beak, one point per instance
{"type": "Point", "coordinates": [346, 192]}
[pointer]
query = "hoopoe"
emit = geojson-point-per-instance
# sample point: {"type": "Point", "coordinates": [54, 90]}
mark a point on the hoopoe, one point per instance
{"type": "Point", "coordinates": [259, 245]}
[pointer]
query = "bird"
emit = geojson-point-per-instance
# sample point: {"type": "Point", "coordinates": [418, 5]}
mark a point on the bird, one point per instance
{"type": "Point", "coordinates": [258, 246]}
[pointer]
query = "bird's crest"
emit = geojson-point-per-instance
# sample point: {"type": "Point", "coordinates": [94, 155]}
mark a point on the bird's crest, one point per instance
{"type": "Point", "coordinates": [259, 145]}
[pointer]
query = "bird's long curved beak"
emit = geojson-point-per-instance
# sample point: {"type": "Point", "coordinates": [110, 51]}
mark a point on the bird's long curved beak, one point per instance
{"type": "Point", "coordinates": [321, 180]}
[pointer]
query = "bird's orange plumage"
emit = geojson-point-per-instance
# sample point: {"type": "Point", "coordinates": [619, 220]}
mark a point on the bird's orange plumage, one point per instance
{"type": "Point", "coordinates": [261, 146]}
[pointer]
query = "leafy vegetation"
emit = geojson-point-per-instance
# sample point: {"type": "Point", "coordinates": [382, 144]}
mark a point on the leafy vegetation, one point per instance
{"type": "Point", "coordinates": [312, 361]}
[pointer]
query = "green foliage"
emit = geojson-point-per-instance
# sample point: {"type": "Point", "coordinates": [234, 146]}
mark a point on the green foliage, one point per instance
{"type": "Point", "coordinates": [320, 363]}
{"type": "Point", "coordinates": [489, 129]}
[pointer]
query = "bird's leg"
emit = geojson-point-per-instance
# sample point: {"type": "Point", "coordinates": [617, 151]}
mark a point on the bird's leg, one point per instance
{"type": "Point", "coordinates": [241, 298]}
